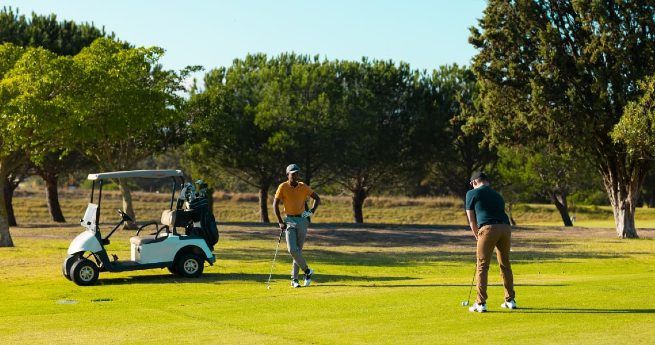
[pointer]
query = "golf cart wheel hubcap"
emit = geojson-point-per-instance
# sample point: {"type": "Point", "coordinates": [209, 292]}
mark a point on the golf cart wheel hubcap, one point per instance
{"type": "Point", "coordinates": [86, 273]}
{"type": "Point", "coordinates": [190, 266]}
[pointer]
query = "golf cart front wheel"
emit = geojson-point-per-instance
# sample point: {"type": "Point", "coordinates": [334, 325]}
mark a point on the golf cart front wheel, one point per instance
{"type": "Point", "coordinates": [190, 265]}
{"type": "Point", "coordinates": [84, 272]}
{"type": "Point", "coordinates": [68, 264]}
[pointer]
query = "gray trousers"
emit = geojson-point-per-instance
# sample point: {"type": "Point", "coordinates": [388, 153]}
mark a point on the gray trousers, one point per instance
{"type": "Point", "coordinates": [295, 236]}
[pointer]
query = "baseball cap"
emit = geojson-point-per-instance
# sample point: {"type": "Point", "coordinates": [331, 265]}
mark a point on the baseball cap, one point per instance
{"type": "Point", "coordinates": [478, 175]}
{"type": "Point", "coordinates": [292, 168]}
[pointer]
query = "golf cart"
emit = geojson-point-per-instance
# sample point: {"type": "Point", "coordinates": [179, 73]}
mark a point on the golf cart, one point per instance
{"type": "Point", "coordinates": [183, 254]}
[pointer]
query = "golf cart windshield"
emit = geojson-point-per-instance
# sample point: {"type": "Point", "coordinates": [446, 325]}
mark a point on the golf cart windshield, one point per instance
{"type": "Point", "coordinates": [89, 220]}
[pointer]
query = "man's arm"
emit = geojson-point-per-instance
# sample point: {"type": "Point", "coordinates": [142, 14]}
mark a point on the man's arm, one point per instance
{"type": "Point", "coordinates": [317, 201]}
{"type": "Point", "coordinates": [276, 208]}
{"type": "Point", "coordinates": [470, 214]}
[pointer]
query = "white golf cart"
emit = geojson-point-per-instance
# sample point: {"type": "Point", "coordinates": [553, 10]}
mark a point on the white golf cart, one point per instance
{"type": "Point", "coordinates": [183, 254]}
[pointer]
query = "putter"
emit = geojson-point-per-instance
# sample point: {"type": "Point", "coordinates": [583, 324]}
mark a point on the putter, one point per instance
{"type": "Point", "coordinates": [466, 303]}
{"type": "Point", "coordinates": [279, 239]}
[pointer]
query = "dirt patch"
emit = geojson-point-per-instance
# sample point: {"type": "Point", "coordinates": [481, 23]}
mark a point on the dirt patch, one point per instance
{"type": "Point", "coordinates": [369, 235]}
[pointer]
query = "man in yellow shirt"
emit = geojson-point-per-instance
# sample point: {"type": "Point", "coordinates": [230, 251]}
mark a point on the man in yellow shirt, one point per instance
{"type": "Point", "coordinates": [293, 195]}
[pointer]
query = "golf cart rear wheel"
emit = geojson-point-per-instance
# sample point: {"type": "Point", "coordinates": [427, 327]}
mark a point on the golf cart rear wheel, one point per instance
{"type": "Point", "coordinates": [190, 265]}
{"type": "Point", "coordinates": [84, 272]}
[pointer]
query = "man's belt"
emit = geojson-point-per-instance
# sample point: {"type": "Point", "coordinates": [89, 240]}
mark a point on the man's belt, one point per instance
{"type": "Point", "coordinates": [294, 215]}
{"type": "Point", "coordinates": [491, 222]}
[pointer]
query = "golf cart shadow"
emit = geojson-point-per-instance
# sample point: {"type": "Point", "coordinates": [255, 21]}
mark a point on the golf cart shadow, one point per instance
{"type": "Point", "coordinates": [215, 278]}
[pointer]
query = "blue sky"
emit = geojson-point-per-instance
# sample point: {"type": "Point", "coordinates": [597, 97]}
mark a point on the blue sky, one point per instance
{"type": "Point", "coordinates": [425, 34]}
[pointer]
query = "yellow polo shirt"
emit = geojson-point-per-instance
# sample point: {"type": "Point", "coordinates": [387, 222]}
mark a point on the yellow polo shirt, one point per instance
{"type": "Point", "coordinates": [293, 198]}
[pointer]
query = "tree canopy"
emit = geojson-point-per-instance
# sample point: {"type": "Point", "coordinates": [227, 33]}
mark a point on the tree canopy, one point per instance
{"type": "Point", "coordinates": [564, 71]}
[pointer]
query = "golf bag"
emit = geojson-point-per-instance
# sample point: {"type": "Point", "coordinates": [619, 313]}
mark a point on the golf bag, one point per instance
{"type": "Point", "coordinates": [203, 215]}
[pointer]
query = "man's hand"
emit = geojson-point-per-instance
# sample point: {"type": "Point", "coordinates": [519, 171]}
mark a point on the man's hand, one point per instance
{"type": "Point", "coordinates": [283, 226]}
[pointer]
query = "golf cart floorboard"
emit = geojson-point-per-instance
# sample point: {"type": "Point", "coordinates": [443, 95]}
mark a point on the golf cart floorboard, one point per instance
{"type": "Point", "coordinates": [129, 265]}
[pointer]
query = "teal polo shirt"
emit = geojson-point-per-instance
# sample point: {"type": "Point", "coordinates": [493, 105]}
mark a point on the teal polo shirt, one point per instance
{"type": "Point", "coordinates": [488, 205]}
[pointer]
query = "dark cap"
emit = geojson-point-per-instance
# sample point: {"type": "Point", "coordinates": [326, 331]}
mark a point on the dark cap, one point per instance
{"type": "Point", "coordinates": [478, 175]}
{"type": "Point", "coordinates": [292, 168]}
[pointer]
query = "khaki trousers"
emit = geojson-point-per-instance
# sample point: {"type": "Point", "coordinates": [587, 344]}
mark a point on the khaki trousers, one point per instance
{"type": "Point", "coordinates": [296, 233]}
{"type": "Point", "coordinates": [489, 237]}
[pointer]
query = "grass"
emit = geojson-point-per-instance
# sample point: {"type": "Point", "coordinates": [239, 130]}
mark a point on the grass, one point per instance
{"type": "Point", "coordinates": [375, 284]}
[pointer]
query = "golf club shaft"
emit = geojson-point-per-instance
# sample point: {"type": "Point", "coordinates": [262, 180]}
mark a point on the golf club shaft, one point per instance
{"type": "Point", "coordinates": [277, 247]}
{"type": "Point", "coordinates": [472, 281]}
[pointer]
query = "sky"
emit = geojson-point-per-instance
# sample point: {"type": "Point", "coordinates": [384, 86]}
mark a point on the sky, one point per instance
{"type": "Point", "coordinates": [425, 34]}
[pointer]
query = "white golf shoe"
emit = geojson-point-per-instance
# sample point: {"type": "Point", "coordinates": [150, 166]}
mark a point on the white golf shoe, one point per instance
{"type": "Point", "coordinates": [295, 283]}
{"type": "Point", "coordinates": [509, 304]}
{"type": "Point", "coordinates": [479, 308]}
{"type": "Point", "coordinates": [308, 277]}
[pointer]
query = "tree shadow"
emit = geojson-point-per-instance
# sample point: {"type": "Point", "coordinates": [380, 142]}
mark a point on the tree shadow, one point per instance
{"type": "Point", "coordinates": [217, 278]}
{"type": "Point", "coordinates": [403, 257]}
{"type": "Point", "coordinates": [583, 311]}
{"type": "Point", "coordinates": [359, 258]}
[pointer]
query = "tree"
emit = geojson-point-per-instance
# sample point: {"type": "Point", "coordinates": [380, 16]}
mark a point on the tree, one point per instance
{"type": "Point", "coordinates": [526, 172]}
{"type": "Point", "coordinates": [62, 38]}
{"type": "Point", "coordinates": [372, 112]}
{"type": "Point", "coordinates": [130, 107]}
{"type": "Point", "coordinates": [224, 135]}
{"type": "Point", "coordinates": [297, 108]}
{"type": "Point", "coordinates": [13, 179]}
{"type": "Point", "coordinates": [459, 150]}
{"type": "Point", "coordinates": [50, 168]}
{"type": "Point", "coordinates": [33, 82]}
{"type": "Point", "coordinates": [636, 130]}
{"type": "Point", "coordinates": [563, 71]}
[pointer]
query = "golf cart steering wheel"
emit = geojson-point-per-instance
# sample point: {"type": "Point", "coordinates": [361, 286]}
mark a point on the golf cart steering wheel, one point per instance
{"type": "Point", "coordinates": [125, 216]}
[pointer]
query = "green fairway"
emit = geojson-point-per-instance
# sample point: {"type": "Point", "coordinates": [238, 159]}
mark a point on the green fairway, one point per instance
{"type": "Point", "coordinates": [394, 284]}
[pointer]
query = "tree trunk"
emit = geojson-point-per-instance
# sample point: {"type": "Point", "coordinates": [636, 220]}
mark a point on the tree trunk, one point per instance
{"type": "Point", "coordinates": [52, 196]}
{"type": "Point", "coordinates": [5, 235]}
{"type": "Point", "coordinates": [263, 203]}
{"type": "Point", "coordinates": [622, 184]}
{"type": "Point", "coordinates": [559, 199]}
{"type": "Point", "coordinates": [9, 189]}
{"type": "Point", "coordinates": [359, 195]}
{"type": "Point", "coordinates": [127, 204]}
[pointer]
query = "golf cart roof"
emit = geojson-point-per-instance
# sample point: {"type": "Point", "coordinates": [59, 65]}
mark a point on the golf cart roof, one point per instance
{"type": "Point", "coordinates": [136, 173]}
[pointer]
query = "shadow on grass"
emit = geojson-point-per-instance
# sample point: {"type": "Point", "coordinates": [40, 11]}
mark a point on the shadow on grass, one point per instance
{"type": "Point", "coordinates": [434, 285]}
{"type": "Point", "coordinates": [403, 257]}
{"type": "Point", "coordinates": [361, 258]}
{"type": "Point", "coordinates": [583, 311]}
{"type": "Point", "coordinates": [238, 277]}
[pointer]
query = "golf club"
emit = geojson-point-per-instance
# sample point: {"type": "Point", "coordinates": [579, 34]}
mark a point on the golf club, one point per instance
{"type": "Point", "coordinates": [268, 283]}
{"type": "Point", "coordinates": [466, 303]}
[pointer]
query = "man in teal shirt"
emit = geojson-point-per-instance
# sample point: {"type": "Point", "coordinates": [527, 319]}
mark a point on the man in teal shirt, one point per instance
{"type": "Point", "coordinates": [485, 210]}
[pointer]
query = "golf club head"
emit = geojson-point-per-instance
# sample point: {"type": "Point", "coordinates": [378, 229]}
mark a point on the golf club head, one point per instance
{"type": "Point", "coordinates": [465, 303]}
{"type": "Point", "coordinates": [268, 287]}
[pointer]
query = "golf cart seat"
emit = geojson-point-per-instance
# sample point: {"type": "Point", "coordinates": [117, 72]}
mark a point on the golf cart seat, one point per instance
{"type": "Point", "coordinates": [167, 220]}
{"type": "Point", "coordinates": [139, 240]}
